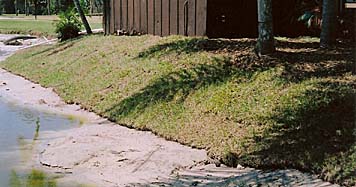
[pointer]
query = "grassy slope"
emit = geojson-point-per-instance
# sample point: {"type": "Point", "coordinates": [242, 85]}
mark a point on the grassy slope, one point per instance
{"type": "Point", "coordinates": [294, 109]}
{"type": "Point", "coordinates": [44, 26]}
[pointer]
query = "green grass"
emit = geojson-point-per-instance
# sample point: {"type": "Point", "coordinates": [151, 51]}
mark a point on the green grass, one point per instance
{"type": "Point", "coordinates": [294, 109]}
{"type": "Point", "coordinates": [34, 179]}
{"type": "Point", "coordinates": [44, 26]}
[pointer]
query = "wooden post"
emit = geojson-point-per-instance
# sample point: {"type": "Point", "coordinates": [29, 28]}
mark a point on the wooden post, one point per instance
{"type": "Point", "coordinates": [265, 44]}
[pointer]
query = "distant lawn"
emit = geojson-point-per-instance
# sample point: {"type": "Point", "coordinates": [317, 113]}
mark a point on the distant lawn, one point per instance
{"type": "Point", "coordinates": [294, 109]}
{"type": "Point", "coordinates": [43, 26]}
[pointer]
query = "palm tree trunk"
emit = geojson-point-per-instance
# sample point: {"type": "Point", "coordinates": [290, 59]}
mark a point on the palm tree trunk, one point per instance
{"type": "Point", "coordinates": [82, 16]}
{"type": "Point", "coordinates": [265, 43]}
{"type": "Point", "coordinates": [49, 7]}
{"type": "Point", "coordinates": [329, 23]}
{"type": "Point", "coordinates": [16, 7]}
{"type": "Point", "coordinates": [35, 11]}
{"type": "Point", "coordinates": [26, 7]}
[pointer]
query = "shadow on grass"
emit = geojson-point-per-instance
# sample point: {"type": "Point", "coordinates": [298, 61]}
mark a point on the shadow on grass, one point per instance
{"type": "Point", "coordinates": [304, 137]}
{"type": "Point", "coordinates": [239, 178]}
{"type": "Point", "coordinates": [61, 46]}
{"type": "Point", "coordinates": [175, 86]}
{"type": "Point", "coordinates": [307, 142]}
{"type": "Point", "coordinates": [193, 45]}
{"type": "Point", "coordinates": [301, 60]}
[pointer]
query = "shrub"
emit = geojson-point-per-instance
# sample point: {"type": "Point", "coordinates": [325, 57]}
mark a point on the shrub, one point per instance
{"type": "Point", "coordinates": [69, 25]}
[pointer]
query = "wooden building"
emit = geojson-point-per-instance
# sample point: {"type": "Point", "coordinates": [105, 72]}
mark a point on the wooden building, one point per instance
{"type": "Point", "coordinates": [212, 18]}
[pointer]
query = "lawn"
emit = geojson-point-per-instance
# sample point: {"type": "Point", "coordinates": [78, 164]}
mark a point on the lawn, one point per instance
{"type": "Point", "coordinates": [43, 26]}
{"type": "Point", "coordinates": [293, 109]}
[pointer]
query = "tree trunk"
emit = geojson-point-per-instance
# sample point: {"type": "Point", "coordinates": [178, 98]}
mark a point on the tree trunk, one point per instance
{"type": "Point", "coordinates": [36, 9]}
{"type": "Point", "coordinates": [17, 7]}
{"type": "Point", "coordinates": [49, 7]}
{"type": "Point", "coordinates": [82, 16]}
{"type": "Point", "coordinates": [92, 7]}
{"type": "Point", "coordinates": [26, 8]}
{"type": "Point", "coordinates": [265, 43]}
{"type": "Point", "coordinates": [329, 22]}
{"type": "Point", "coordinates": [57, 7]}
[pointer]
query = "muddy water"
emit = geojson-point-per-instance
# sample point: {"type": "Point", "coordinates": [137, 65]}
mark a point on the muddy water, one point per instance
{"type": "Point", "coordinates": [20, 130]}
{"type": "Point", "coordinates": [20, 133]}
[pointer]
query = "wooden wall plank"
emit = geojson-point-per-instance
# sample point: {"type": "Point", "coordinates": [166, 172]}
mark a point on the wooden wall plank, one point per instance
{"type": "Point", "coordinates": [106, 17]}
{"type": "Point", "coordinates": [137, 12]}
{"type": "Point", "coordinates": [158, 17]}
{"type": "Point", "coordinates": [151, 17]}
{"type": "Point", "coordinates": [201, 18]}
{"type": "Point", "coordinates": [124, 17]}
{"type": "Point", "coordinates": [117, 14]}
{"type": "Point", "coordinates": [181, 18]}
{"type": "Point", "coordinates": [112, 17]}
{"type": "Point", "coordinates": [191, 17]}
{"type": "Point", "coordinates": [165, 17]}
{"type": "Point", "coordinates": [131, 16]}
{"type": "Point", "coordinates": [144, 17]}
{"type": "Point", "coordinates": [173, 17]}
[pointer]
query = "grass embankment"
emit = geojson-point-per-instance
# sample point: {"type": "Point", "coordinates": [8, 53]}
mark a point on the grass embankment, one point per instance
{"type": "Point", "coordinates": [295, 109]}
{"type": "Point", "coordinates": [43, 26]}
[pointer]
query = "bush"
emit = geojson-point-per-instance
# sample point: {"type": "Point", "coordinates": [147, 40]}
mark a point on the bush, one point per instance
{"type": "Point", "coordinates": [68, 26]}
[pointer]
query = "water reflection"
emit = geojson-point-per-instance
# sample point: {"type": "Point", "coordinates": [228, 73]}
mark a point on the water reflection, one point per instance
{"type": "Point", "coordinates": [20, 131]}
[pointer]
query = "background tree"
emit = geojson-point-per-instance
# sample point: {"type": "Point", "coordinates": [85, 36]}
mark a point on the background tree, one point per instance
{"type": "Point", "coordinates": [27, 8]}
{"type": "Point", "coordinates": [16, 7]}
{"type": "Point", "coordinates": [35, 5]}
{"type": "Point", "coordinates": [82, 16]}
{"type": "Point", "coordinates": [48, 3]}
{"type": "Point", "coordinates": [329, 23]}
{"type": "Point", "coordinates": [265, 43]}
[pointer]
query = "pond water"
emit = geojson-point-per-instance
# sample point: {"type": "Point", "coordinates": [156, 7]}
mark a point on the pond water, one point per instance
{"type": "Point", "coordinates": [20, 129]}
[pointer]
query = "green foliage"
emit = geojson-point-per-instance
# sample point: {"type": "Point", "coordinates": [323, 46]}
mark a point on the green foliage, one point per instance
{"type": "Point", "coordinates": [69, 25]}
{"type": "Point", "coordinates": [1, 7]}
{"type": "Point", "coordinates": [34, 179]}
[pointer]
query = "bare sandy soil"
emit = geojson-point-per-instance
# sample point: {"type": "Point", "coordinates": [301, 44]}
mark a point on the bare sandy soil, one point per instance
{"type": "Point", "coordinates": [105, 154]}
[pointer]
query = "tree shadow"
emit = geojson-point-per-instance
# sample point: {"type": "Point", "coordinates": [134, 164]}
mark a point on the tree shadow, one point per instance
{"type": "Point", "coordinates": [194, 45]}
{"type": "Point", "coordinates": [300, 66]}
{"type": "Point", "coordinates": [307, 142]}
{"type": "Point", "coordinates": [299, 62]}
{"type": "Point", "coordinates": [56, 48]}
{"type": "Point", "coordinates": [302, 60]}
{"type": "Point", "coordinates": [175, 86]}
{"type": "Point", "coordinates": [304, 140]}
{"type": "Point", "coordinates": [239, 178]}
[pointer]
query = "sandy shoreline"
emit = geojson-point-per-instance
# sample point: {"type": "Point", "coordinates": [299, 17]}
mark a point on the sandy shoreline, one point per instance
{"type": "Point", "coordinates": [105, 154]}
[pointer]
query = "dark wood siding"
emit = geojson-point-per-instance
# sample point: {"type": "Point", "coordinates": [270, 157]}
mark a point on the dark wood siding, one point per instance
{"type": "Point", "coordinates": [173, 17]}
{"type": "Point", "coordinates": [159, 17]}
